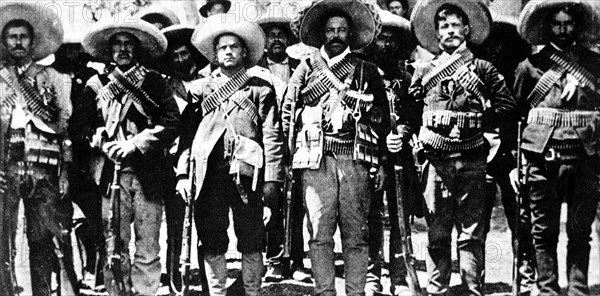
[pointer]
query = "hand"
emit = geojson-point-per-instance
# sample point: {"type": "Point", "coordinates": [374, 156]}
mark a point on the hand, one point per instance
{"type": "Point", "coordinates": [184, 188]}
{"type": "Point", "coordinates": [394, 142]}
{"type": "Point", "coordinates": [99, 138]}
{"type": "Point", "coordinates": [271, 192]}
{"type": "Point", "coordinates": [266, 215]}
{"type": "Point", "coordinates": [119, 150]}
{"type": "Point", "coordinates": [380, 178]}
{"type": "Point", "coordinates": [570, 88]}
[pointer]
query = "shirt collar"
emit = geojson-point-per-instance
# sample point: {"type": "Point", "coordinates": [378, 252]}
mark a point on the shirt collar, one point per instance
{"type": "Point", "coordinates": [461, 47]}
{"type": "Point", "coordinates": [336, 59]}
{"type": "Point", "coordinates": [22, 69]}
{"type": "Point", "coordinates": [284, 62]}
{"type": "Point", "coordinates": [560, 49]}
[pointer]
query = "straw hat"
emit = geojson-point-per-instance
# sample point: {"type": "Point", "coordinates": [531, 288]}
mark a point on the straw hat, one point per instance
{"type": "Point", "coordinates": [534, 21]}
{"type": "Point", "coordinates": [276, 16]}
{"type": "Point", "coordinates": [216, 25]}
{"type": "Point", "coordinates": [156, 12]}
{"type": "Point", "coordinates": [47, 27]}
{"type": "Point", "coordinates": [423, 14]}
{"type": "Point", "coordinates": [204, 9]}
{"type": "Point", "coordinates": [153, 42]}
{"type": "Point", "coordinates": [365, 22]}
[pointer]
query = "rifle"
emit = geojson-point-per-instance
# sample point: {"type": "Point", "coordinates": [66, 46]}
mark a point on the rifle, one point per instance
{"type": "Point", "coordinates": [8, 278]}
{"type": "Point", "coordinates": [521, 178]}
{"type": "Point", "coordinates": [114, 245]}
{"type": "Point", "coordinates": [289, 183]}
{"type": "Point", "coordinates": [69, 284]}
{"type": "Point", "coordinates": [405, 234]}
{"type": "Point", "coordinates": [186, 239]}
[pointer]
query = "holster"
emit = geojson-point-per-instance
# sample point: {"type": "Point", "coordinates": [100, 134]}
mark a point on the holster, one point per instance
{"type": "Point", "coordinates": [247, 158]}
{"type": "Point", "coordinates": [309, 141]}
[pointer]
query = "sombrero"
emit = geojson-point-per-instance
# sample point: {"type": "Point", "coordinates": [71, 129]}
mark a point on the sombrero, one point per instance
{"type": "Point", "coordinates": [423, 14]}
{"type": "Point", "coordinates": [96, 41]}
{"type": "Point", "coordinates": [166, 16]}
{"type": "Point", "coordinates": [204, 9]}
{"type": "Point", "coordinates": [276, 16]}
{"type": "Point", "coordinates": [407, 42]}
{"type": "Point", "coordinates": [178, 33]}
{"type": "Point", "coordinates": [365, 21]}
{"type": "Point", "coordinates": [47, 27]}
{"type": "Point", "coordinates": [220, 24]}
{"type": "Point", "coordinates": [534, 23]}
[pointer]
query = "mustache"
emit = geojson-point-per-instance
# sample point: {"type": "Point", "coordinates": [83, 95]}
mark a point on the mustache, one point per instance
{"type": "Point", "coordinates": [18, 47]}
{"type": "Point", "coordinates": [277, 43]}
{"type": "Point", "coordinates": [335, 40]}
{"type": "Point", "coordinates": [565, 36]}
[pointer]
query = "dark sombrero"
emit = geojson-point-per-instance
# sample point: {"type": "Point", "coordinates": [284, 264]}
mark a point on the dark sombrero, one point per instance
{"type": "Point", "coordinates": [423, 15]}
{"type": "Point", "coordinates": [534, 21]}
{"type": "Point", "coordinates": [275, 15]}
{"type": "Point", "coordinates": [406, 40]}
{"type": "Point", "coordinates": [204, 9]}
{"type": "Point", "coordinates": [158, 13]}
{"type": "Point", "coordinates": [307, 24]}
{"type": "Point", "coordinates": [47, 27]}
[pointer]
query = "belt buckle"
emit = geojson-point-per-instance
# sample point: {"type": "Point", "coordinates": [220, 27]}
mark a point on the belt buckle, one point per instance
{"type": "Point", "coordinates": [552, 155]}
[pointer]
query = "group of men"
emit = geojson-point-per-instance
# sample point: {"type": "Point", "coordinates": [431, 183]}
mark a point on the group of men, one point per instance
{"type": "Point", "coordinates": [212, 114]}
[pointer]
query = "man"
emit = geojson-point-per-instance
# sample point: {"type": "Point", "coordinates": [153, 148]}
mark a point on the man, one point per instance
{"type": "Point", "coordinates": [184, 62]}
{"type": "Point", "coordinates": [398, 7]}
{"type": "Point", "coordinates": [235, 157]}
{"type": "Point", "coordinates": [340, 135]}
{"type": "Point", "coordinates": [34, 143]}
{"type": "Point", "coordinates": [463, 97]}
{"type": "Point", "coordinates": [505, 50]}
{"type": "Point", "coordinates": [279, 36]}
{"type": "Point", "coordinates": [72, 60]}
{"type": "Point", "coordinates": [137, 120]}
{"type": "Point", "coordinates": [212, 7]}
{"type": "Point", "coordinates": [559, 87]}
{"type": "Point", "coordinates": [389, 51]}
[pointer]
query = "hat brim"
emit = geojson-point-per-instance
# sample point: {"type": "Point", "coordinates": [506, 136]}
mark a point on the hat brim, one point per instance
{"type": "Point", "coordinates": [178, 33]}
{"type": "Point", "coordinates": [285, 25]}
{"type": "Point", "coordinates": [364, 25]}
{"type": "Point", "coordinates": [216, 25]}
{"type": "Point", "coordinates": [96, 41]}
{"type": "Point", "coordinates": [47, 27]}
{"type": "Point", "coordinates": [204, 9]}
{"type": "Point", "coordinates": [423, 14]}
{"type": "Point", "coordinates": [161, 11]}
{"type": "Point", "coordinates": [534, 22]}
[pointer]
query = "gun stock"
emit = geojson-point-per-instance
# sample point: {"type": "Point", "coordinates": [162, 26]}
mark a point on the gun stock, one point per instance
{"type": "Point", "coordinates": [405, 233]}
{"type": "Point", "coordinates": [113, 243]}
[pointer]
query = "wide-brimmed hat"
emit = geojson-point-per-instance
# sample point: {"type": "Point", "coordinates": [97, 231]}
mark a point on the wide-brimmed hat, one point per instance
{"type": "Point", "coordinates": [166, 16]}
{"type": "Point", "coordinates": [47, 27]}
{"type": "Point", "coordinates": [204, 9]}
{"type": "Point", "coordinates": [276, 15]}
{"type": "Point", "coordinates": [423, 15]}
{"type": "Point", "coordinates": [96, 41]}
{"type": "Point", "coordinates": [406, 40]}
{"type": "Point", "coordinates": [217, 25]}
{"type": "Point", "coordinates": [308, 24]}
{"type": "Point", "coordinates": [178, 33]}
{"type": "Point", "coordinates": [534, 21]}
{"type": "Point", "coordinates": [157, 12]}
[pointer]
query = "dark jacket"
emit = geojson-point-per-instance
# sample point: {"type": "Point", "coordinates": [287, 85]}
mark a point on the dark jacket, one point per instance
{"type": "Point", "coordinates": [151, 130]}
{"type": "Point", "coordinates": [529, 72]}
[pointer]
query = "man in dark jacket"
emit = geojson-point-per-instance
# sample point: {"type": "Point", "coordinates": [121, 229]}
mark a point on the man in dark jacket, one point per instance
{"type": "Point", "coordinates": [463, 96]}
{"type": "Point", "coordinates": [136, 121]}
{"type": "Point", "coordinates": [559, 87]}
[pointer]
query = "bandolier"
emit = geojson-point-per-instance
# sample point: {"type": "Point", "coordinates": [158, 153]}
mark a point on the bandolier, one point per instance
{"type": "Point", "coordinates": [558, 86]}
